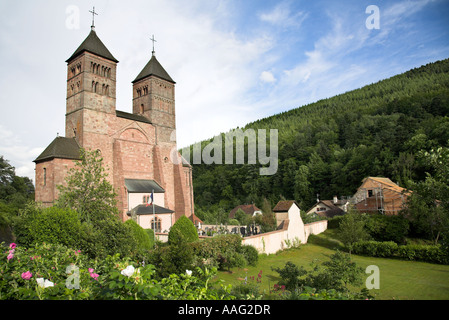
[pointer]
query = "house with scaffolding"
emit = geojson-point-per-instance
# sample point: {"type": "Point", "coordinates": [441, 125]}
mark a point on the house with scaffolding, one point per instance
{"type": "Point", "coordinates": [380, 195]}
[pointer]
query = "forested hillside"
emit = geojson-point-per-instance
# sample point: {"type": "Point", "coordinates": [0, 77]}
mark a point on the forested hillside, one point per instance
{"type": "Point", "coordinates": [329, 146]}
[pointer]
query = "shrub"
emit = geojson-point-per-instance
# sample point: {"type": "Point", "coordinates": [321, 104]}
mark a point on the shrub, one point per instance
{"type": "Point", "coordinates": [234, 222]}
{"type": "Point", "coordinates": [390, 249]}
{"type": "Point", "coordinates": [222, 251]}
{"type": "Point", "coordinates": [186, 229]}
{"type": "Point", "coordinates": [334, 223]}
{"type": "Point", "coordinates": [150, 233]}
{"type": "Point", "coordinates": [174, 258]}
{"type": "Point", "coordinates": [387, 228]}
{"type": "Point", "coordinates": [50, 225]}
{"type": "Point", "coordinates": [143, 239]}
{"type": "Point", "coordinates": [250, 254]}
{"type": "Point", "coordinates": [375, 248]}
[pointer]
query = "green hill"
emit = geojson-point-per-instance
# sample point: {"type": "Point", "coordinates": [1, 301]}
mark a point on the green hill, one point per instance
{"type": "Point", "coordinates": [329, 146]}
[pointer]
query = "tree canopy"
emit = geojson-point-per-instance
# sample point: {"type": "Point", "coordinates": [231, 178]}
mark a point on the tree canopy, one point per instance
{"type": "Point", "coordinates": [330, 146]}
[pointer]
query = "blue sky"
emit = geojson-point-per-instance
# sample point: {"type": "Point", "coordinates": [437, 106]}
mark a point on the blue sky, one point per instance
{"type": "Point", "coordinates": [233, 61]}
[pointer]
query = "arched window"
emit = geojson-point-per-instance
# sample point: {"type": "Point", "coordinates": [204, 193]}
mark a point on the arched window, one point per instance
{"type": "Point", "coordinates": [156, 225]}
{"type": "Point", "coordinates": [45, 176]}
{"type": "Point", "coordinates": [142, 108]}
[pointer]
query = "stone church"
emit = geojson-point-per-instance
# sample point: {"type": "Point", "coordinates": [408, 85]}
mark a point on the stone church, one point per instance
{"type": "Point", "coordinates": [139, 149]}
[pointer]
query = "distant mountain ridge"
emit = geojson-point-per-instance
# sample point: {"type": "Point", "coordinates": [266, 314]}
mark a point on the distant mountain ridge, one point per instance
{"type": "Point", "coordinates": [329, 146]}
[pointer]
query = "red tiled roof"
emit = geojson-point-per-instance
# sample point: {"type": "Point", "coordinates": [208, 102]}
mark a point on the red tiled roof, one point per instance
{"type": "Point", "coordinates": [284, 205]}
{"type": "Point", "coordinates": [247, 208]}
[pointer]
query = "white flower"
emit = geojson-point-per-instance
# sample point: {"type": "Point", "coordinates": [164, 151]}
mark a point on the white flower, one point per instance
{"type": "Point", "coordinates": [44, 283]}
{"type": "Point", "coordinates": [128, 271]}
{"type": "Point", "coordinates": [188, 273]}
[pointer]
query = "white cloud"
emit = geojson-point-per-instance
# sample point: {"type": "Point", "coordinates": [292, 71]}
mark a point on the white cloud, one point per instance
{"type": "Point", "coordinates": [281, 15]}
{"type": "Point", "coordinates": [18, 153]}
{"type": "Point", "coordinates": [267, 76]}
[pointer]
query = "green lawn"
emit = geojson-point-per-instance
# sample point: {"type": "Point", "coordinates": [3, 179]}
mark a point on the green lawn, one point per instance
{"type": "Point", "coordinates": [399, 279]}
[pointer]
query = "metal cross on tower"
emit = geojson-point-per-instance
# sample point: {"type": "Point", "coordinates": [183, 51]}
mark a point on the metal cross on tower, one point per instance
{"type": "Point", "coordinates": [152, 39]}
{"type": "Point", "coordinates": [93, 17]}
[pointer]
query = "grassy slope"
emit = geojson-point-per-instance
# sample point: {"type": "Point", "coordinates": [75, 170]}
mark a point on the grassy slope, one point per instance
{"type": "Point", "coordinates": [403, 280]}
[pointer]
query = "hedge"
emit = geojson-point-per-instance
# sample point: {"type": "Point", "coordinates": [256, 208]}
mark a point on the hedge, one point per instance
{"type": "Point", "coordinates": [390, 249]}
{"type": "Point", "coordinates": [224, 252]}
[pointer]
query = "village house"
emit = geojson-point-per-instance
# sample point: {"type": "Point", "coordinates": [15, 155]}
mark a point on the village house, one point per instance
{"type": "Point", "coordinates": [250, 209]}
{"type": "Point", "coordinates": [329, 208]}
{"type": "Point", "coordinates": [380, 195]}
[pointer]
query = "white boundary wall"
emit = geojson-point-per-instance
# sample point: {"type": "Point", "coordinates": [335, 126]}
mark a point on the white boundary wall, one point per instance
{"type": "Point", "coordinates": [272, 242]}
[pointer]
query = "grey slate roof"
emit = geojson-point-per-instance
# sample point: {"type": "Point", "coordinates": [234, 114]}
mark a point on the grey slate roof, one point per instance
{"type": "Point", "coordinates": [131, 116]}
{"type": "Point", "coordinates": [153, 68]}
{"type": "Point", "coordinates": [141, 186]}
{"type": "Point", "coordinates": [61, 147]}
{"type": "Point", "coordinates": [143, 209]}
{"type": "Point", "coordinates": [93, 45]}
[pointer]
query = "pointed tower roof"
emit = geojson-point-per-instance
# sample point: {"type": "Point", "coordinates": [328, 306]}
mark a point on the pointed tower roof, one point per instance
{"type": "Point", "coordinates": [153, 68]}
{"type": "Point", "coordinates": [93, 45]}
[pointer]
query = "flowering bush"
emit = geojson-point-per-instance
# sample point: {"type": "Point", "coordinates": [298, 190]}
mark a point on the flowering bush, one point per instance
{"type": "Point", "coordinates": [48, 271]}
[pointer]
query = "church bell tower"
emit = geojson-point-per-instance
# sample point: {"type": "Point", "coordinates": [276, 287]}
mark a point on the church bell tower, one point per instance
{"type": "Point", "coordinates": [91, 84]}
{"type": "Point", "coordinates": [154, 98]}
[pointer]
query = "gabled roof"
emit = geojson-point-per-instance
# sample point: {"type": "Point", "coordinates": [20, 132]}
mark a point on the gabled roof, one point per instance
{"type": "Point", "coordinates": [386, 182]}
{"type": "Point", "coordinates": [132, 116]}
{"type": "Point", "coordinates": [195, 219]}
{"type": "Point", "coordinates": [334, 210]}
{"type": "Point", "coordinates": [60, 147]}
{"type": "Point", "coordinates": [143, 209]}
{"type": "Point", "coordinates": [249, 209]}
{"type": "Point", "coordinates": [153, 68]}
{"type": "Point", "coordinates": [93, 45]}
{"type": "Point", "coordinates": [142, 186]}
{"type": "Point", "coordinates": [284, 205]}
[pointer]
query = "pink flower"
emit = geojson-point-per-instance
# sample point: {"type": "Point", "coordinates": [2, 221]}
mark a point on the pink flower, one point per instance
{"type": "Point", "coordinates": [95, 276]}
{"type": "Point", "coordinates": [91, 270]}
{"type": "Point", "coordinates": [10, 256]}
{"type": "Point", "coordinates": [13, 245]}
{"type": "Point", "coordinates": [27, 275]}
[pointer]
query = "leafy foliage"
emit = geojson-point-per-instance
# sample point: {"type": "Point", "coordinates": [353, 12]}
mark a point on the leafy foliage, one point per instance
{"type": "Point", "coordinates": [352, 229]}
{"type": "Point", "coordinates": [15, 193]}
{"type": "Point", "coordinates": [331, 277]}
{"type": "Point", "coordinates": [388, 228]}
{"type": "Point", "coordinates": [182, 231]}
{"type": "Point", "coordinates": [69, 274]}
{"type": "Point", "coordinates": [428, 205]}
{"type": "Point", "coordinates": [143, 238]}
{"type": "Point", "coordinates": [87, 189]}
